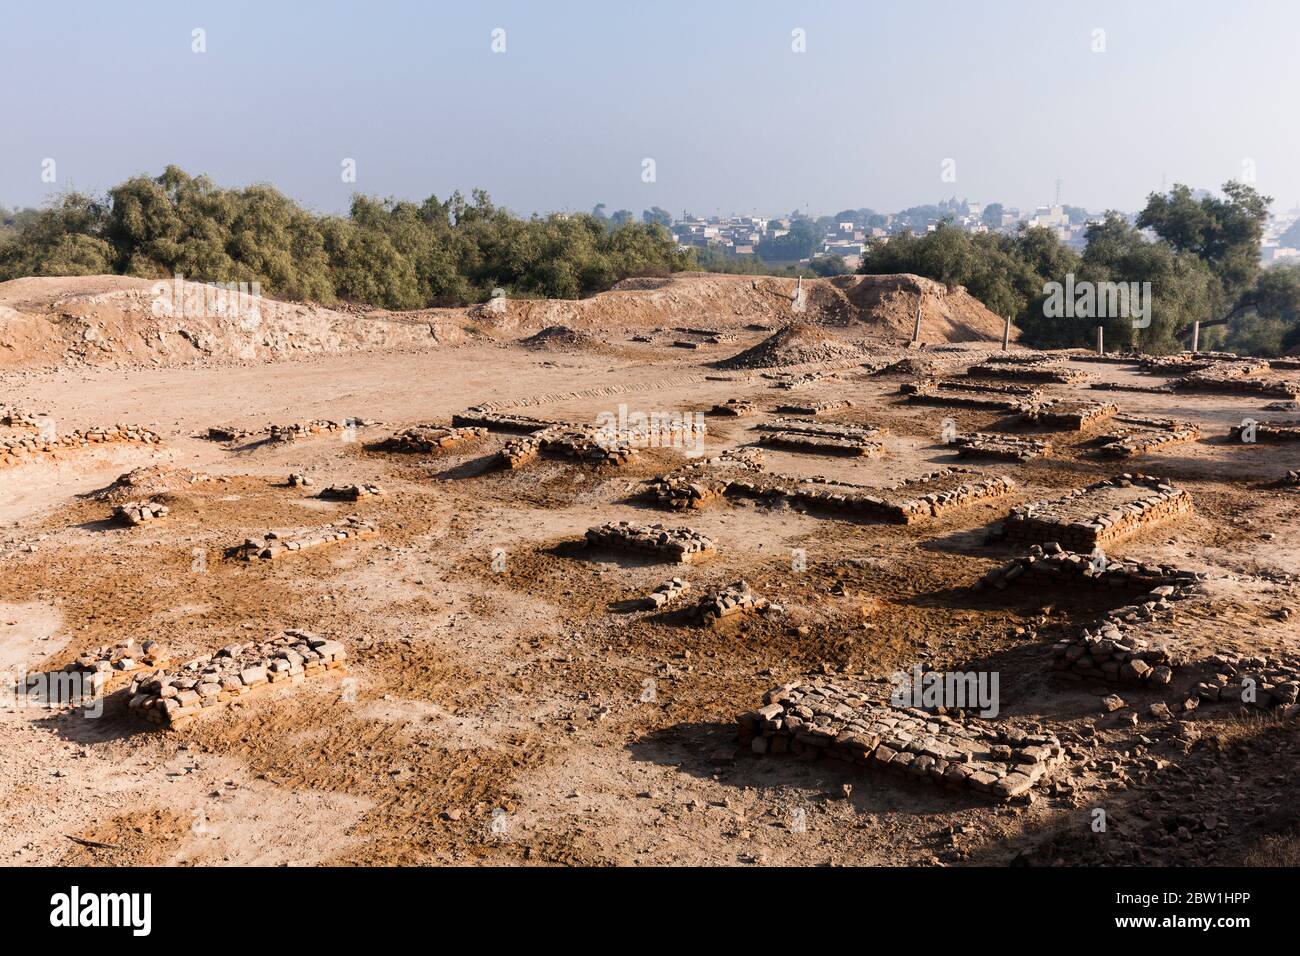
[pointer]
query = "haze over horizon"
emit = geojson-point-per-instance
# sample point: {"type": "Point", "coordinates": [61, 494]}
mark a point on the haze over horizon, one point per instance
{"type": "Point", "coordinates": [734, 118]}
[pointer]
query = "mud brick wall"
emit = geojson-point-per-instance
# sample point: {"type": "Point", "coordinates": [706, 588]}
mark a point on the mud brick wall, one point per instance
{"type": "Point", "coordinates": [1235, 378]}
{"type": "Point", "coordinates": [171, 698]}
{"type": "Point", "coordinates": [815, 408]}
{"type": "Point", "coordinates": [822, 444]}
{"type": "Point", "coordinates": [900, 504]}
{"type": "Point", "coordinates": [1128, 442]}
{"type": "Point", "coordinates": [679, 544]}
{"type": "Point", "coordinates": [138, 512]}
{"type": "Point", "coordinates": [274, 545]}
{"type": "Point", "coordinates": [981, 445]}
{"type": "Point", "coordinates": [1044, 520]}
{"type": "Point", "coordinates": [1028, 373]}
{"type": "Point", "coordinates": [735, 408]}
{"type": "Point", "coordinates": [321, 426]}
{"type": "Point", "coordinates": [429, 438]}
{"type": "Point", "coordinates": [351, 492]}
{"type": "Point", "coordinates": [811, 720]}
{"type": "Point", "coordinates": [1069, 415]}
{"type": "Point", "coordinates": [928, 396]}
{"type": "Point", "coordinates": [26, 447]}
{"type": "Point", "coordinates": [1270, 432]}
{"type": "Point", "coordinates": [501, 422]}
{"type": "Point", "coordinates": [1115, 648]}
{"type": "Point", "coordinates": [519, 451]}
{"type": "Point", "coordinates": [587, 445]}
{"type": "Point", "coordinates": [666, 593]}
{"type": "Point", "coordinates": [684, 492]}
{"type": "Point", "coordinates": [957, 385]}
{"type": "Point", "coordinates": [728, 602]}
{"type": "Point", "coordinates": [811, 427]}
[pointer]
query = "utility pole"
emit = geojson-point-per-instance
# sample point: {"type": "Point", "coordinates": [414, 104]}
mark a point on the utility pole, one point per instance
{"type": "Point", "coordinates": [1006, 334]}
{"type": "Point", "coordinates": [1196, 336]}
{"type": "Point", "coordinates": [1101, 347]}
{"type": "Point", "coordinates": [916, 329]}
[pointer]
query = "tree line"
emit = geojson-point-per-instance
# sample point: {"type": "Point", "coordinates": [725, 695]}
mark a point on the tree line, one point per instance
{"type": "Point", "coordinates": [392, 254]}
{"type": "Point", "coordinates": [1200, 255]}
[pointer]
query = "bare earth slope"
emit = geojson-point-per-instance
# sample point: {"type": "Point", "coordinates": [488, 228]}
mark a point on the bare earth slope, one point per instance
{"type": "Point", "coordinates": [107, 320]}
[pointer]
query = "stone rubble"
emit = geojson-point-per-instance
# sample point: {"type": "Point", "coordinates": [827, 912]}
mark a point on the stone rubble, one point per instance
{"type": "Point", "coordinates": [735, 408]}
{"type": "Point", "coordinates": [1137, 436]}
{"type": "Point", "coordinates": [1057, 374]}
{"type": "Point", "coordinates": [735, 598]}
{"type": "Point", "coordinates": [809, 720]}
{"type": "Point", "coordinates": [138, 512]}
{"type": "Point", "coordinates": [299, 480]}
{"type": "Point", "coordinates": [1270, 432]}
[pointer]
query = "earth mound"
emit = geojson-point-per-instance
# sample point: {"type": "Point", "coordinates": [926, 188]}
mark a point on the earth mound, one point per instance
{"type": "Point", "coordinates": [795, 344]}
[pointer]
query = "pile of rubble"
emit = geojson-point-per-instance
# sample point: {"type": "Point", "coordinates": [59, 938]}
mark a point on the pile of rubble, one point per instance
{"type": "Point", "coordinates": [815, 408]}
{"type": "Point", "coordinates": [1278, 431]}
{"type": "Point", "coordinates": [1063, 414]}
{"type": "Point", "coordinates": [849, 725]}
{"type": "Point", "coordinates": [138, 512]}
{"type": "Point", "coordinates": [429, 438]}
{"type": "Point", "coordinates": [299, 480]}
{"type": "Point", "coordinates": [1254, 680]}
{"type": "Point", "coordinates": [1008, 447]}
{"type": "Point", "coordinates": [351, 492]}
{"type": "Point", "coordinates": [1058, 374]}
{"type": "Point", "coordinates": [121, 658]}
{"type": "Point", "coordinates": [666, 593]}
{"type": "Point", "coordinates": [1153, 501]}
{"type": "Point", "coordinates": [1137, 436]}
{"type": "Point", "coordinates": [678, 544]}
{"type": "Point", "coordinates": [228, 433]}
{"type": "Point", "coordinates": [24, 447]}
{"type": "Point", "coordinates": [274, 545]}
{"type": "Point", "coordinates": [14, 417]}
{"type": "Point", "coordinates": [172, 697]}
{"type": "Point", "coordinates": [736, 598]}
{"type": "Point", "coordinates": [735, 408]}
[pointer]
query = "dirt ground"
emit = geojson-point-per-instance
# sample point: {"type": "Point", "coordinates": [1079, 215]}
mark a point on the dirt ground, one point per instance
{"type": "Point", "coordinates": [521, 714]}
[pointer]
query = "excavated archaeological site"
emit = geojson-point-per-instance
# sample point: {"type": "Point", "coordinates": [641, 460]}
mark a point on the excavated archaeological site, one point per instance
{"type": "Point", "coordinates": [657, 577]}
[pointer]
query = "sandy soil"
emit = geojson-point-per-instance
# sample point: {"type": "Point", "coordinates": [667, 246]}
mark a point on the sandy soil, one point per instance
{"type": "Point", "coordinates": [522, 715]}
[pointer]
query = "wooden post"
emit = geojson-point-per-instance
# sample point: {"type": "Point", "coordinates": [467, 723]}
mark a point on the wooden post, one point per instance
{"type": "Point", "coordinates": [1101, 347]}
{"type": "Point", "coordinates": [916, 329]}
{"type": "Point", "coordinates": [1006, 334]}
{"type": "Point", "coordinates": [1196, 335]}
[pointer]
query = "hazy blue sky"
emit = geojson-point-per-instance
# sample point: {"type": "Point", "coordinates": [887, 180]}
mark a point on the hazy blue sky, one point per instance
{"type": "Point", "coordinates": [711, 90]}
